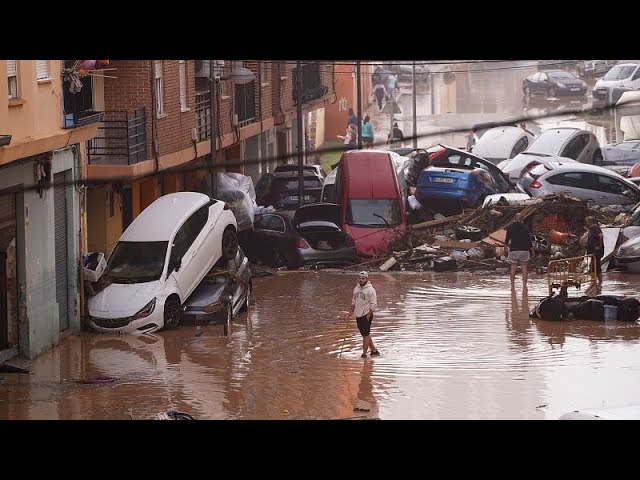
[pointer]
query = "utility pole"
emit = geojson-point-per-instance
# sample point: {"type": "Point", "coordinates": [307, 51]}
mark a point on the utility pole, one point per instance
{"type": "Point", "coordinates": [359, 103]}
{"type": "Point", "coordinates": [415, 113]}
{"type": "Point", "coordinates": [300, 132]}
{"type": "Point", "coordinates": [212, 130]}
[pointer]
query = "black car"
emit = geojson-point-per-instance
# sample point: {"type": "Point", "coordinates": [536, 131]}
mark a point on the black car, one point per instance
{"type": "Point", "coordinates": [310, 235]}
{"type": "Point", "coordinates": [553, 83]}
{"type": "Point", "coordinates": [307, 167]}
{"type": "Point", "coordinates": [222, 294]}
{"type": "Point", "coordinates": [280, 189]}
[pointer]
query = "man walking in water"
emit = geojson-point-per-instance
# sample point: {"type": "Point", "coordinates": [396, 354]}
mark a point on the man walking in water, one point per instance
{"type": "Point", "coordinates": [518, 240]}
{"type": "Point", "coordinates": [363, 303]}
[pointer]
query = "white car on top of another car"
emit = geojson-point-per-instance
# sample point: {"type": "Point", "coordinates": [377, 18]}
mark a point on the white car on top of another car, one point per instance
{"type": "Point", "coordinates": [159, 260]}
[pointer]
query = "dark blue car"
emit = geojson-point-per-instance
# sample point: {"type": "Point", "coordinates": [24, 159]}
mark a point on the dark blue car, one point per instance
{"type": "Point", "coordinates": [450, 189]}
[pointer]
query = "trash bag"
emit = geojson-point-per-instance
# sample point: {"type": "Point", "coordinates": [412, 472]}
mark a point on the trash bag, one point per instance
{"type": "Point", "coordinates": [628, 309]}
{"type": "Point", "coordinates": [591, 309]}
{"type": "Point", "coordinates": [237, 190]}
{"type": "Point", "coordinates": [550, 308]}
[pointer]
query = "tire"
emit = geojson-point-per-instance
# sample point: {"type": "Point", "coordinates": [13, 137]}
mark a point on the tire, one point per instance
{"type": "Point", "coordinates": [597, 158]}
{"type": "Point", "coordinates": [172, 313]}
{"type": "Point", "coordinates": [468, 232]}
{"type": "Point", "coordinates": [229, 244]}
{"type": "Point", "coordinates": [247, 297]}
{"type": "Point", "coordinates": [540, 243]}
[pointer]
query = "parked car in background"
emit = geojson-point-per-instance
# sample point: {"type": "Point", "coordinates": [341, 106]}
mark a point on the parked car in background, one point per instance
{"type": "Point", "coordinates": [553, 83]}
{"type": "Point", "coordinates": [567, 142]}
{"type": "Point", "coordinates": [281, 189]}
{"type": "Point", "coordinates": [592, 68]}
{"type": "Point", "coordinates": [222, 293]}
{"type": "Point", "coordinates": [628, 255]}
{"type": "Point", "coordinates": [310, 235]}
{"type": "Point", "coordinates": [450, 189]}
{"type": "Point", "coordinates": [479, 129]}
{"type": "Point", "coordinates": [587, 182]}
{"type": "Point", "coordinates": [502, 143]}
{"type": "Point", "coordinates": [329, 188]}
{"type": "Point", "coordinates": [159, 261]}
{"type": "Point", "coordinates": [290, 167]}
{"type": "Point", "coordinates": [624, 154]}
{"type": "Point", "coordinates": [623, 76]}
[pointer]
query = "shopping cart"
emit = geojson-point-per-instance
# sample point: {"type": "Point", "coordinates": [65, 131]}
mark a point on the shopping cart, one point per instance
{"type": "Point", "coordinates": [571, 272]}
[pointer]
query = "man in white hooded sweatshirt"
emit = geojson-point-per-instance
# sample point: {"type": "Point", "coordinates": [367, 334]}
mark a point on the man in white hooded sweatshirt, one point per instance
{"type": "Point", "coordinates": [363, 304]}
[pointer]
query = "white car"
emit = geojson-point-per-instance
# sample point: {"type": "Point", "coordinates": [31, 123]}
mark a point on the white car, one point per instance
{"type": "Point", "coordinates": [525, 161]}
{"type": "Point", "coordinates": [625, 76]}
{"type": "Point", "coordinates": [591, 183]}
{"type": "Point", "coordinates": [159, 260]}
{"type": "Point", "coordinates": [630, 412]}
{"type": "Point", "coordinates": [502, 143]}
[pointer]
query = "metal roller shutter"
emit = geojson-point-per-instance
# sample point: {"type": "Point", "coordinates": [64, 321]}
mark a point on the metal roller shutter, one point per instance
{"type": "Point", "coordinates": [7, 219]}
{"type": "Point", "coordinates": [62, 284]}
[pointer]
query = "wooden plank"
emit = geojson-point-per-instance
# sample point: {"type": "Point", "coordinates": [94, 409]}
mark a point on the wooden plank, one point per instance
{"type": "Point", "coordinates": [388, 264]}
{"type": "Point", "coordinates": [455, 244]}
{"type": "Point", "coordinates": [496, 238]}
{"type": "Point", "coordinates": [439, 221]}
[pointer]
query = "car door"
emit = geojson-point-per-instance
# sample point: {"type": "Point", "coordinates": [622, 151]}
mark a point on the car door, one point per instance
{"type": "Point", "coordinates": [578, 184]}
{"type": "Point", "coordinates": [500, 181]}
{"type": "Point", "coordinates": [632, 154]}
{"type": "Point", "coordinates": [182, 265]}
{"type": "Point", "coordinates": [575, 149]}
{"type": "Point", "coordinates": [268, 233]}
{"type": "Point", "coordinates": [611, 191]}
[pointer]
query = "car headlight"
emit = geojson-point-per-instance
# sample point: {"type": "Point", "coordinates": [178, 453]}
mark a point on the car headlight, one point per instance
{"type": "Point", "coordinates": [146, 310]}
{"type": "Point", "coordinates": [560, 85]}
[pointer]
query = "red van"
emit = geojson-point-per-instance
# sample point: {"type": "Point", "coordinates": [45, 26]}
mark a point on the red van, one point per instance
{"type": "Point", "coordinates": [370, 192]}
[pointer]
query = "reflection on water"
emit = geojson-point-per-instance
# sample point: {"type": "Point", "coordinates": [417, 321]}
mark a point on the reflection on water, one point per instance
{"type": "Point", "coordinates": [454, 346]}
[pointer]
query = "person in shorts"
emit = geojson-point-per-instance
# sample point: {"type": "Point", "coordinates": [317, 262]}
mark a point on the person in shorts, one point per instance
{"type": "Point", "coordinates": [518, 241]}
{"type": "Point", "coordinates": [363, 303]}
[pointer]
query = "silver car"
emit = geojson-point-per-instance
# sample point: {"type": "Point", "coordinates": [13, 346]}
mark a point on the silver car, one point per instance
{"type": "Point", "coordinates": [591, 183]}
{"type": "Point", "coordinates": [623, 153]}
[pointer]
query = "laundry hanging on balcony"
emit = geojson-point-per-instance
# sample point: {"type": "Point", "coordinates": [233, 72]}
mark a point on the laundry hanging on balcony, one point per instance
{"type": "Point", "coordinates": [83, 68]}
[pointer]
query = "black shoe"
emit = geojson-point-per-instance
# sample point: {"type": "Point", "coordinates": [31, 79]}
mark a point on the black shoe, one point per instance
{"type": "Point", "coordinates": [375, 353]}
{"type": "Point", "coordinates": [364, 355]}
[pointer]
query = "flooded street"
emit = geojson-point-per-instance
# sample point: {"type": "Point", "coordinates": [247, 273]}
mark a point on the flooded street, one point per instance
{"type": "Point", "coordinates": [453, 346]}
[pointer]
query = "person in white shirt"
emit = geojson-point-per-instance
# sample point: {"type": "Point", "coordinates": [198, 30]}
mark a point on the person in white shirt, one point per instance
{"type": "Point", "coordinates": [363, 303]}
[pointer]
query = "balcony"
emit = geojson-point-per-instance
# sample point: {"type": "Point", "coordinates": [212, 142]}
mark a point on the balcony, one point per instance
{"type": "Point", "coordinates": [203, 114]}
{"type": "Point", "coordinates": [312, 87]}
{"type": "Point", "coordinates": [121, 139]}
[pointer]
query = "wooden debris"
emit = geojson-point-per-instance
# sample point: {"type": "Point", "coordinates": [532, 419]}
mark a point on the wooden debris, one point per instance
{"type": "Point", "coordinates": [439, 221]}
{"type": "Point", "coordinates": [388, 264]}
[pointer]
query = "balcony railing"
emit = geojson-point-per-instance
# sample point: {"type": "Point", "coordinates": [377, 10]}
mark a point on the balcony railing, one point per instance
{"type": "Point", "coordinates": [121, 139]}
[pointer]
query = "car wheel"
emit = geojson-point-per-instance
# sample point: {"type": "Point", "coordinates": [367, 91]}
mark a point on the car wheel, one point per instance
{"type": "Point", "coordinates": [551, 92]}
{"type": "Point", "coordinates": [597, 158]}
{"type": "Point", "coordinates": [468, 232]}
{"type": "Point", "coordinates": [228, 320]}
{"type": "Point", "coordinates": [527, 92]}
{"type": "Point", "coordinates": [247, 297]}
{"type": "Point", "coordinates": [540, 243]}
{"type": "Point", "coordinates": [172, 313]}
{"type": "Point", "coordinates": [229, 244]}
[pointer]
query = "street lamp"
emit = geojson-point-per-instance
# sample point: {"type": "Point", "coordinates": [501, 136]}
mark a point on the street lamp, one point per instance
{"type": "Point", "coordinates": [238, 76]}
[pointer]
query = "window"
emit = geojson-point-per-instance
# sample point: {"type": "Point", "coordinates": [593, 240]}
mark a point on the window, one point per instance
{"type": "Point", "coordinates": [265, 72]}
{"type": "Point", "coordinates": [543, 77]}
{"type": "Point", "coordinates": [198, 220]}
{"type": "Point", "coordinates": [575, 147]}
{"type": "Point", "coordinates": [609, 185]}
{"type": "Point", "coordinates": [181, 242]}
{"type": "Point", "coordinates": [42, 69]}
{"type": "Point", "coordinates": [157, 70]}
{"type": "Point", "coordinates": [246, 101]}
{"type": "Point", "coordinates": [12, 78]}
{"type": "Point", "coordinates": [183, 85]}
{"type": "Point", "coordinates": [271, 222]}
{"type": "Point", "coordinates": [373, 212]}
{"type": "Point", "coordinates": [571, 179]}
{"type": "Point", "coordinates": [520, 146]}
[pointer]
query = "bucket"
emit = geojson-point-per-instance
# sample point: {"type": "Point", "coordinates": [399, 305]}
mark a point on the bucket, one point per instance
{"type": "Point", "coordinates": [610, 312]}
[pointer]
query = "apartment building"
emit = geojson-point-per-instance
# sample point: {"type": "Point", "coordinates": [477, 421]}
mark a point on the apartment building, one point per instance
{"type": "Point", "coordinates": [42, 145]}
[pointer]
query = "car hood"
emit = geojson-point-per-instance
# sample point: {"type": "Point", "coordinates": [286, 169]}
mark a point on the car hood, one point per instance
{"type": "Point", "coordinates": [206, 294]}
{"type": "Point", "coordinates": [314, 212]}
{"type": "Point", "coordinates": [625, 249]}
{"type": "Point", "coordinates": [570, 82]}
{"type": "Point", "coordinates": [609, 83]}
{"type": "Point", "coordinates": [123, 299]}
{"type": "Point", "coordinates": [373, 241]}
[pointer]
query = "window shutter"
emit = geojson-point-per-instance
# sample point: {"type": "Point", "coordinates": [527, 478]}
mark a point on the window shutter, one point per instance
{"type": "Point", "coordinates": [183, 84]}
{"type": "Point", "coordinates": [42, 69]}
{"type": "Point", "coordinates": [12, 69]}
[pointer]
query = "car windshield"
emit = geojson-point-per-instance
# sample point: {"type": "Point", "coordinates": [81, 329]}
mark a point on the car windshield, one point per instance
{"type": "Point", "coordinates": [137, 262]}
{"type": "Point", "coordinates": [373, 212]}
{"type": "Point", "coordinates": [619, 72]}
{"type": "Point", "coordinates": [550, 142]}
{"type": "Point", "coordinates": [291, 184]}
{"type": "Point", "coordinates": [560, 75]}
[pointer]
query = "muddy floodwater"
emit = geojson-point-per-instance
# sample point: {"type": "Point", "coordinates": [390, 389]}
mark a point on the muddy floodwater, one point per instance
{"type": "Point", "coordinates": [453, 345]}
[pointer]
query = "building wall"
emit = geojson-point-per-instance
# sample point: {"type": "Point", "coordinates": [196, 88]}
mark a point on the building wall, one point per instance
{"type": "Point", "coordinates": [39, 322]}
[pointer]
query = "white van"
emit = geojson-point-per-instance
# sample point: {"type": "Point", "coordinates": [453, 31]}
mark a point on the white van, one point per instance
{"type": "Point", "coordinates": [159, 260]}
{"type": "Point", "coordinates": [622, 76]}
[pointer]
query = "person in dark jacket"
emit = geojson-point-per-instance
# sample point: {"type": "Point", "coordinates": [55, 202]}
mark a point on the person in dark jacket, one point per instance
{"type": "Point", "coordinates": [595, 244]}
{"type": "Point", "coordinates": [518, 241]}
{"type": "Point", "coordinates": [352, 119]}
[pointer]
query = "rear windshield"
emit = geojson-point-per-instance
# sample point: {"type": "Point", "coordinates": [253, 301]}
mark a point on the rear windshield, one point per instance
{"type": "Point", "coordinates": [550, 142]}
{"type": "Point", "coordinates": [137, 262]}
{"type": "Point", "coordinates": [291, 184]}
{"type": "Point", "coordinates": [538, 170]}
{"type": "Point", "coordinates": [373, 212]}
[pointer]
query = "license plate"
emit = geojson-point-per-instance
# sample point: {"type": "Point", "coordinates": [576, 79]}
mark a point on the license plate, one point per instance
{"type": "Point", "coordinates": [443, 180]}
{"type": "Point", "coordinates": [295, 197]}
{"type": "Point", "coordinates": [575, 89]}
